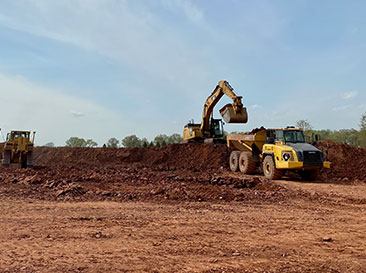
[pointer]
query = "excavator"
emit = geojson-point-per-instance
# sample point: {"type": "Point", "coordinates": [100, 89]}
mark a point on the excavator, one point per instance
{"type": "Point", "coordinates": [210, 130]}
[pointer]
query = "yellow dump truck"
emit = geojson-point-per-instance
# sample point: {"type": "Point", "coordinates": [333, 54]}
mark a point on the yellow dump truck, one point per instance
{"type": "Point", "coordinates": [274, 151]}
{"type": "Point", "coordinates": [17, 150]}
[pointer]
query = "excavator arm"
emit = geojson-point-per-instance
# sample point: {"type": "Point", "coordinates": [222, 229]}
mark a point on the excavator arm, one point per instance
{"type": "Point", "coordinates": [232, 113]}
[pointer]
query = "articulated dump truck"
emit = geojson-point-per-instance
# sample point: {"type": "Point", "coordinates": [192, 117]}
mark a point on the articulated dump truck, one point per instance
{"type": "Point", "coordinates": [17, 150]}
{"type": "Point", "coordinates": [275, 151]}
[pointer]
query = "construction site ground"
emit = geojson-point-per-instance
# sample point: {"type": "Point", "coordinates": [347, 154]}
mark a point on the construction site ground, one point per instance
{"type": "Point", "coordinates": [179, 209]}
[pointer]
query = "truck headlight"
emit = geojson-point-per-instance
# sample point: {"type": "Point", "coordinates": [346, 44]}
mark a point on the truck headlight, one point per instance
{"type": "Point", "coordinates": [287, 156]}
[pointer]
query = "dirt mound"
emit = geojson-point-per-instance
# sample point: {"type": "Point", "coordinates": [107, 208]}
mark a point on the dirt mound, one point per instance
{"type": "Point", "coordinates": [189, 172]}
{"type": "Point", "coordinates": [348, 162]}
{"type": "Point", "coordinates": [193, 156]}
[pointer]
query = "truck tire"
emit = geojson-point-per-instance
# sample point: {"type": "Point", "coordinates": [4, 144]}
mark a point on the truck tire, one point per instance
{"type": "Point", "coordinates": [6, 158]}
{"type": "Point", "coordinates": [309, 175]}
{"type": "Point", "coordinates": [246, 163]}
{"type": "Point", "coordinates": [234, 161]}
{"type": "Point", "coordinates": [269, 169]}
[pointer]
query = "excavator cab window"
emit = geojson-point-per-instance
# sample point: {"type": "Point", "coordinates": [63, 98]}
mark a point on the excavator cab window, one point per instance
{"type": "Point", "coordinates": [216, 128]}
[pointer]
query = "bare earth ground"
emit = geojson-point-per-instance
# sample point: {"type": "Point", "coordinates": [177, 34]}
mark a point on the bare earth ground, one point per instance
{"type": "Point", "coordinates": [294, 236]}
{"type": "Point", "coordinates": [178, 209]}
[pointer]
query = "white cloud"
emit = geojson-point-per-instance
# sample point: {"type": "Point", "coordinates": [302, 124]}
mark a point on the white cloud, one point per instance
{"type": "Point", "coordinates": [192, 12]}
{"type": "Point", "coordinates": [77, 114]}
{"type": "Point", "coordinates": [350, 95]}
{"type": "Point", "coordinates": [255, 106]}
{"type": "Point", "coordinates": [27, 106]}
{"type": "Point", "coordinates": [137, 38]}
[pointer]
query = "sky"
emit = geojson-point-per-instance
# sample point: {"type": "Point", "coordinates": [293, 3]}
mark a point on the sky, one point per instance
{"type": "Point", "coordinates": [111, 68]}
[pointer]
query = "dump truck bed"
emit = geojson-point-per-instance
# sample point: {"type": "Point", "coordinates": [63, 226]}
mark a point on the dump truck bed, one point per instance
{"type": "Point", "coordinates": [245, 142]}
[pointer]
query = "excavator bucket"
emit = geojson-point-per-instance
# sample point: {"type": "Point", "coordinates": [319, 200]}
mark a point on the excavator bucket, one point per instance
{"type": "Point", "coordinates": [231, 116]}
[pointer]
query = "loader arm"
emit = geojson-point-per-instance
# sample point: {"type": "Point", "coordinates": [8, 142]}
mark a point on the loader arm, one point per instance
{"type": "Point", "coordinates": [223, 88]}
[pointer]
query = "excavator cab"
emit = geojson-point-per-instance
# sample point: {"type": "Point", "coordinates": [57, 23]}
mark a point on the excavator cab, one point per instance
{"type": "Point", "coordinates": [216, 128]}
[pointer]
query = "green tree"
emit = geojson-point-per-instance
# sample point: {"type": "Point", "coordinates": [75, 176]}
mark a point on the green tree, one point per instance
{"type": "Point", "coordinates": [304, 125]}
{"type": "Point", "coordinates": [144, 142]}
{"type": "Point", "coordinates": [50, 144]}
{"type": "Point", "coordinates": [175, 138]}
{"type": "Point", "coordinates": [91, 143]}
{"type": "Point", "coordinates": [363, 130]}
{"type": "Point", "coordinates": [151, 144]}
{"type": "Point", "coordinates": [113, 143]}
{"type": "Point", "coordinates": [363, 123]}
{"type": "Point", "coordinates": [76, 142]}
{"type": "Point", "coordinates": [131, 141]}
{"type": "Point", "coordinates": [158, 140]}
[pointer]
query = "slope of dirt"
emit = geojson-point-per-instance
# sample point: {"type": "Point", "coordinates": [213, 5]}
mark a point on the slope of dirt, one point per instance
{"type": "Point", "coordinates": [348, 162]}
{"type": "Point", "coordinates": [193, 156]}
{"type": "Point", "coordinates": [190, 172]}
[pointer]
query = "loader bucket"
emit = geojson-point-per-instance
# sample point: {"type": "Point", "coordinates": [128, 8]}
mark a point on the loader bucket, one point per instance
{"type": "Point", "coordinates": [231, 116]}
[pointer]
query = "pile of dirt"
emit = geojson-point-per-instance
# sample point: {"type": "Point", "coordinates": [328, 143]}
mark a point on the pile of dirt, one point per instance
{"type": "Point", "coordinates": [348, 162]}
{"type": "Point", "coordinates": [192, 156]}
{"type": "Point", "coordinates": [189, 172]}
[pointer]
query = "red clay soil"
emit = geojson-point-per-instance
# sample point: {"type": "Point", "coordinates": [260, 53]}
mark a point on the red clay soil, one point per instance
{"type": "Point", "coordinates": [193, 156]}
{"type": "Point", "coordinates": [348, 162]}
{"type": "Point", "coordinates": [190, 172]}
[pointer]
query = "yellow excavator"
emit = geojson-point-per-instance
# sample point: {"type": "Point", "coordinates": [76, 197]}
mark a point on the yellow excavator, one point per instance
{"type": "Point", "coordinates": [210, 130]}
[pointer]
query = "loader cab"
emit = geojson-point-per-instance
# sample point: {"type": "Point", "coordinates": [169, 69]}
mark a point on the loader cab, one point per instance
{"type": "Point", "coordinates": [18, 134]}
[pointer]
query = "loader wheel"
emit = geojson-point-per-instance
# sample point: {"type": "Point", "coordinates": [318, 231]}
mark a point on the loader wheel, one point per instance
{"type": "Point", "coordinates": [6, 158]}
{"type": "Point", "coordinates": [309, 175]}
{"type": "Point", "coordinates": [246, 163]}
{"type": "Point", "coordinates": [269, 169]}
{"type": "Point", "coordinates": [234, 161]}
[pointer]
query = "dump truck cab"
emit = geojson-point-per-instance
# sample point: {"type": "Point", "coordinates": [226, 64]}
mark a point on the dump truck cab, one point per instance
{"type": "Point", "coordinates": [276, 151]}
{"type": "Point", "coordinates": [18, 149]}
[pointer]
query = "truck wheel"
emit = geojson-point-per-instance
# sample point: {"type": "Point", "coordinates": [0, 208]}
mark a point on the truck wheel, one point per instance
{"type": "Point", "coordinates": [234, 161]}
{"type": "Point", "coordinates": [269, 169]}
{"type": "Point", "coordinates": [246, 163]}
{"type": "Point", "coordinates": [309, 175]}
{"type": "Point", "coordinates": [6, 158]}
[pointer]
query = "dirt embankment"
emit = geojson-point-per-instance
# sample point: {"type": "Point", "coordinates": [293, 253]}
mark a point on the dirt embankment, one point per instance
{"type": "Point", "coordinates": [190, 172]}
{"type": "Point", "coordinates": [194, 156]}
{"type": "Point", "coordinates": [348, 162]}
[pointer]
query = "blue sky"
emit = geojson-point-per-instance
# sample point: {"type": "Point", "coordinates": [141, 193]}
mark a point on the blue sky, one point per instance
{"type": "Point", "coordinates": [109, 68]}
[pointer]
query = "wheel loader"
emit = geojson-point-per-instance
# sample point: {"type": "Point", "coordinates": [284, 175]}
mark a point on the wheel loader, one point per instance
{"type": "Point", "coordinates": [211, 130]}
{"type": "Point", "coordinates": [17, 150]}
{"type": "Point", "coordinates": [275, 151]}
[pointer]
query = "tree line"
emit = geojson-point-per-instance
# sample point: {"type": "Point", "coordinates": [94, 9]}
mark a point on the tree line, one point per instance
{"type": "Point", "coordinates": [129, 141]}
{"type": "Point", "coordinates": [349, 136]}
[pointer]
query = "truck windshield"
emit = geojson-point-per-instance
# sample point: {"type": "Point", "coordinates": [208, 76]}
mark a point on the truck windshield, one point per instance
{"type": "Point", "coordinates": [294, 136]}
